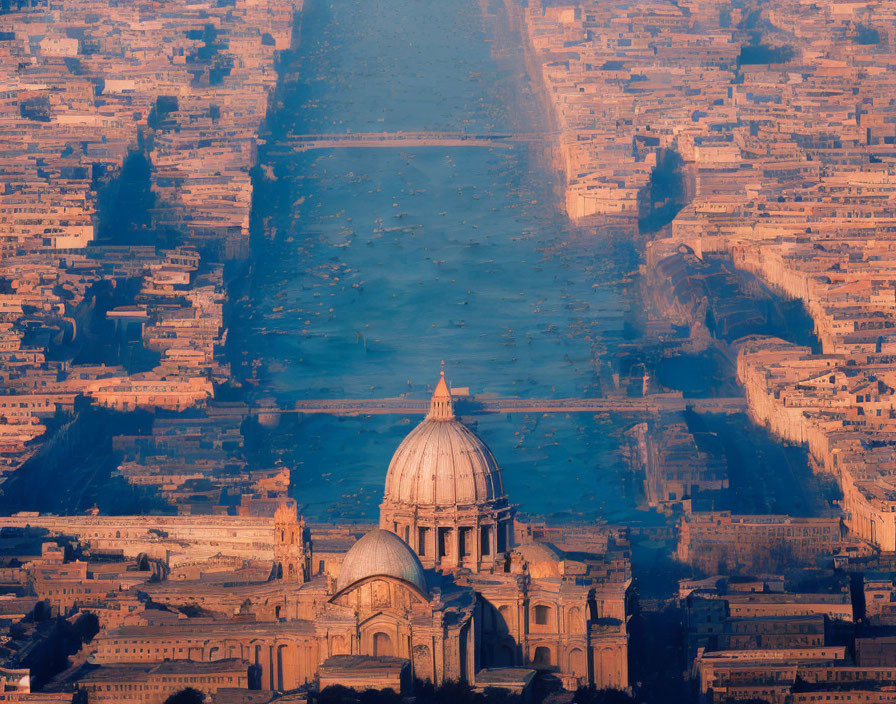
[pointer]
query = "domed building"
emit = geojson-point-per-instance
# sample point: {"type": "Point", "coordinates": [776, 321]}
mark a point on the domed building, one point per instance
{"type": "Point", "coordinates": [444, 495]}
{"type": "Point", "coordinates": [384, 607]}
{"type": "Point", "coordinates": [537, 607]}
{"type": "Point", "coordinates": [451, 586]}
{"type": "Point", "coordinates": [381, 553]}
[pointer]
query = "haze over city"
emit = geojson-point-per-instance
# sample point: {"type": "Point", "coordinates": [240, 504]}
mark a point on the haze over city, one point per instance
{"type": "Point", "coordinates": [495, 352]}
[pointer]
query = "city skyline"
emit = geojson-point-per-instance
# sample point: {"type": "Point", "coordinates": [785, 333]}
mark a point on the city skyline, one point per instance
{"type": "Point", "coordinates": [652, 246]}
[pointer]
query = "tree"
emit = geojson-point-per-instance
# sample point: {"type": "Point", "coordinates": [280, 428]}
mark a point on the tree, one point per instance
{"type": "Point", "coordinates": [379, 696]}
{"type": "Point", "coordinates": [337, 694]}
{"type": "Point", "coordinates": [186, 696]}
{"type": "Point", "coordinates": [87, 625]}
{"type": "Point", "coordinates": [592, 695]}
{"type": "Point", "coordinates": [866, 35]}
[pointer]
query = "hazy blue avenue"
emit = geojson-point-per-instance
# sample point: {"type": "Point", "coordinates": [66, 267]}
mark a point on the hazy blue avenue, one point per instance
{"type": "Point", "coordinates": [379, 263]}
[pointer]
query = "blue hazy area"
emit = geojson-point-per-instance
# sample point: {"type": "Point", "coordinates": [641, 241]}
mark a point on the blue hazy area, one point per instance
{"type": "Point", "coordinates": [373, 265]}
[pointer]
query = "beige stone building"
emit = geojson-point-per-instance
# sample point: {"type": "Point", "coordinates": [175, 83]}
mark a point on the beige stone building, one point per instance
{"type": "Point", "coordinates": [468, 595]}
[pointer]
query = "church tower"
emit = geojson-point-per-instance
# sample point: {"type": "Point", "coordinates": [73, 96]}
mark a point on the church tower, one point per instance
{"type": "Point", "coordinates": [292, 545]}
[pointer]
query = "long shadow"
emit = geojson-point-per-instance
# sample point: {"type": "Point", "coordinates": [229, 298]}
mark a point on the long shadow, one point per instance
{"type": "Point", "coordinates": [72, 472]}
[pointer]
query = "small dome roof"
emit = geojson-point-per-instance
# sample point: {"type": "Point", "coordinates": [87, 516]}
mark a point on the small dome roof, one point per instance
{"type": "Point", "coordinates": [537, 552]}
{"type": "Point", "coordinates": [381, 553]}
{"type": "Point", "coordinates": [442, 462]}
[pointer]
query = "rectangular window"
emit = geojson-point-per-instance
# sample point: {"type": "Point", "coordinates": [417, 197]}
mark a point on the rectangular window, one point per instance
{"type": "Point", "coordinates": [485, 541]}
{"type": "Point", "coordinates": [463, 541]}
{"type": "Point", "coordinates": [421, 541]}
{"type": "Point", "coordinates": [444, 541]}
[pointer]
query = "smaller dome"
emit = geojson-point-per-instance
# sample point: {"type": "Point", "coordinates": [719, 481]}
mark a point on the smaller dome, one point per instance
{"type": "Point", "coordinates": [537, 552]}
{"type": "Point", "coordinates": [381, 553]}
{"type": "Point", "coordinates": [542, 560]}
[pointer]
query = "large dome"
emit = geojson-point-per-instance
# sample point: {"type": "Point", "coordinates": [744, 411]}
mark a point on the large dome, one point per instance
{"type": "Point", "coordinates": [381, 553]}
{"type": "Point", "coordinates": [442, 462]}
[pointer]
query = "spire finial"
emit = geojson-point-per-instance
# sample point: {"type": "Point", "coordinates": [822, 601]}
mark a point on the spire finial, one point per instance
{"type": "Point", "coordinates": [441, 407]}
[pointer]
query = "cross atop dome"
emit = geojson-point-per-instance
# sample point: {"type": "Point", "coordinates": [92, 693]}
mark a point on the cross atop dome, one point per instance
{"type": "Point", "coordinates": [441, 407]}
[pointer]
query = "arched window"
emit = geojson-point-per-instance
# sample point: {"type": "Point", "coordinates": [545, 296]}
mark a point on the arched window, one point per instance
{"type": "Point", "coordinates": [574, 620]}
{"type": "Point", "coordinates": [282, 659]}
{"type": "Point", "coordinates": [577, 662]}
{"type": "Point", "coordinates": [542, 615]}
{"type": "Point", "coordinates": [382, 645]}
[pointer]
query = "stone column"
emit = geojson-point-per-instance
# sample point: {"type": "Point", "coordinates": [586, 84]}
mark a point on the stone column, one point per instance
{"type": "Point", "coordinates": [432, 655]}
{"type": "Point", "coordinates": [477, 545]}
{"type": "Point", "coordinates": [432, 547]}
{"type": "Point", "coordinates": [523, 629]}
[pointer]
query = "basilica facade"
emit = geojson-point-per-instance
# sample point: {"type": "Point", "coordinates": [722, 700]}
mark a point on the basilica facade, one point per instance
{"type": "Point", "coordinates": [451, 583]}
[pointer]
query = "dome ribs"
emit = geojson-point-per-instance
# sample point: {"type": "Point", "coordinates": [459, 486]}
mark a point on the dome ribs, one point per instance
{"type": "Point", "coordinates": [444, 493]}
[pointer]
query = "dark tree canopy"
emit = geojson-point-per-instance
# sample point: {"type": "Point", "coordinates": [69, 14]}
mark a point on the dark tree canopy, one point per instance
{"type": "Point", "coordinates": [867, 35]}
{"type": "Point", "coordinates": [337, 694]}
{"type": "Point", "coordinates": [186, 696]}
{"type": "Point", "coordinates": [424, 693]}
{"type": "Point", "coordinates": [592, 695]}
